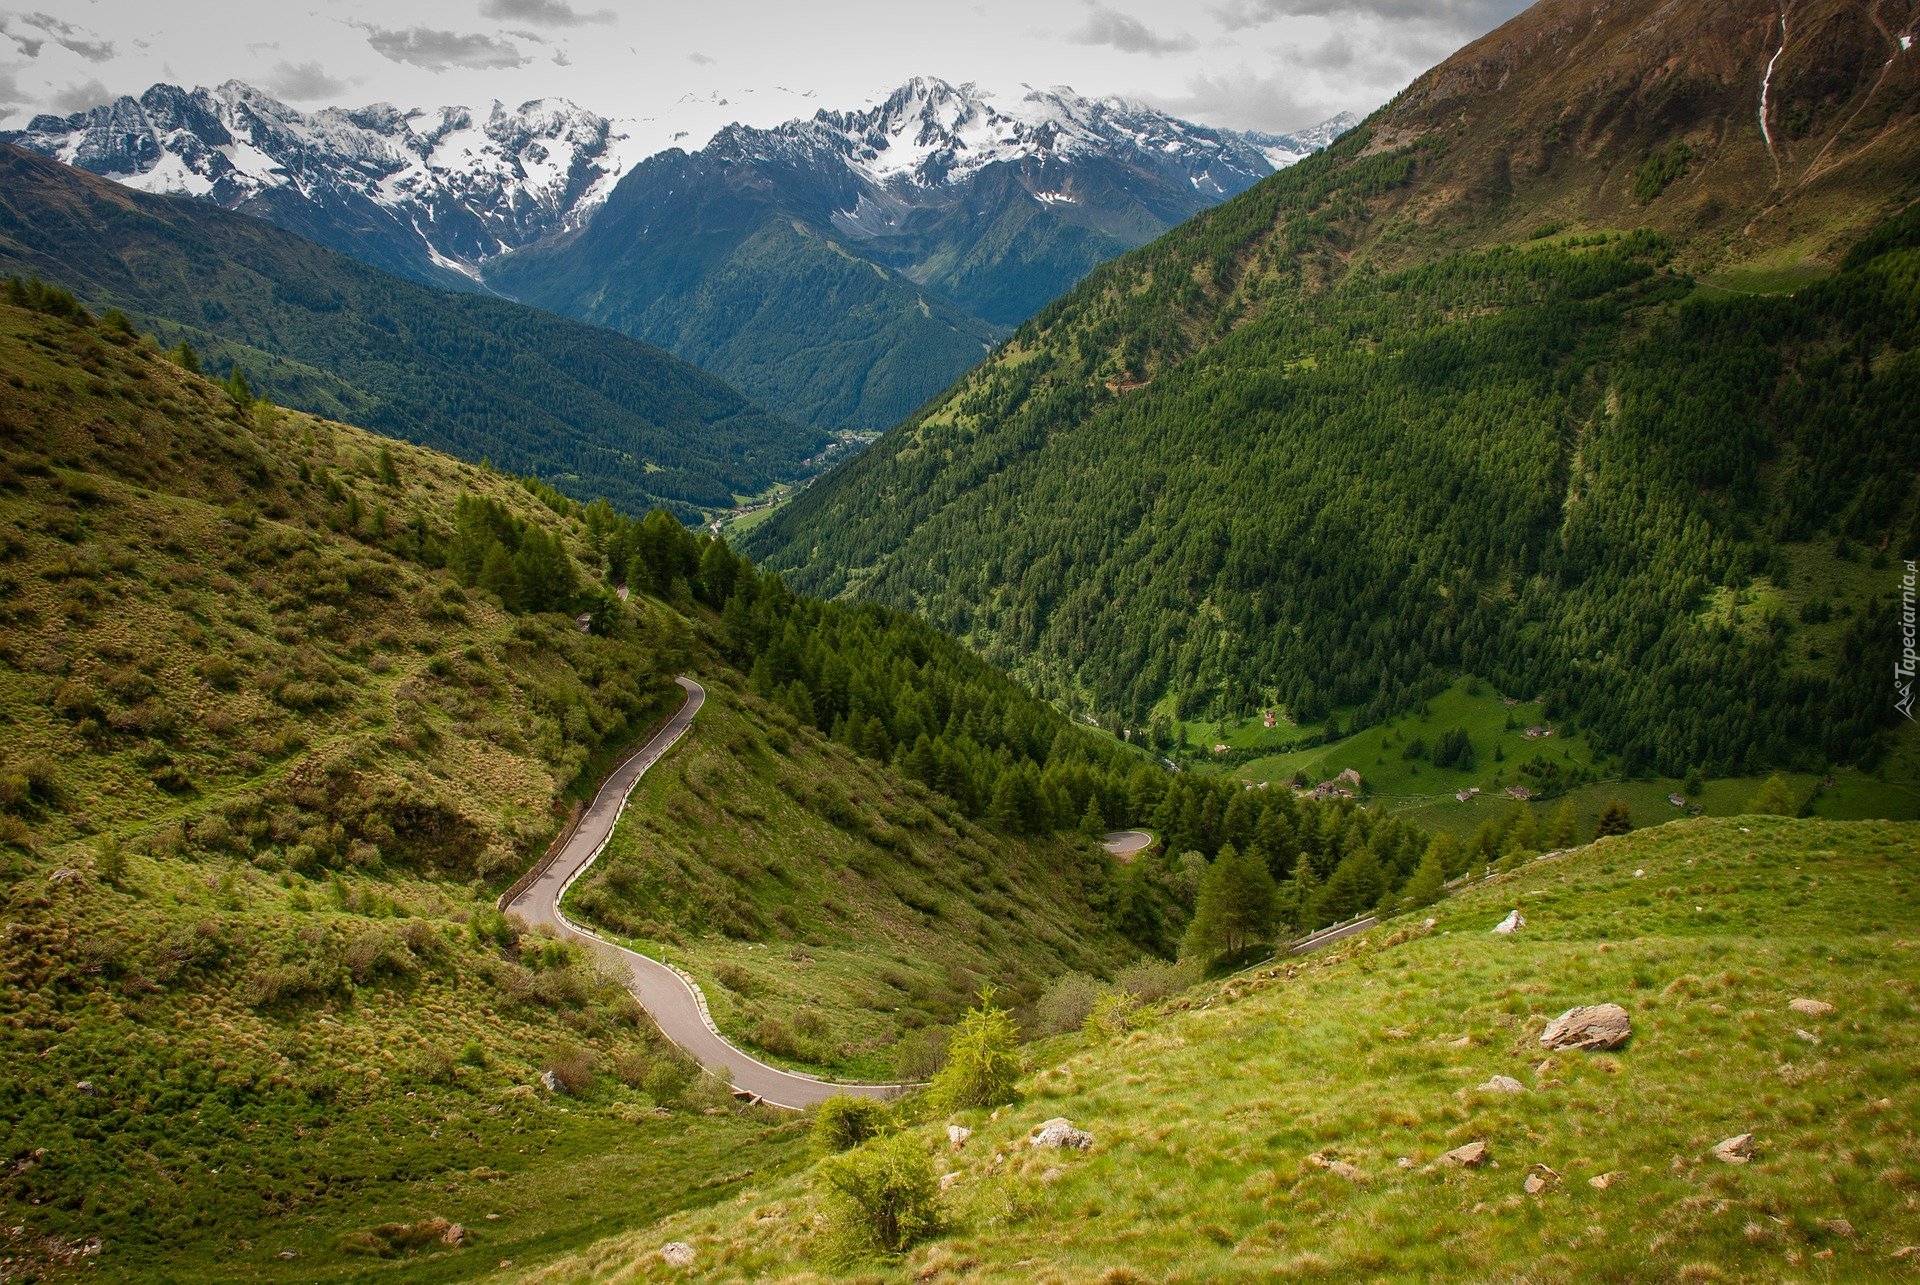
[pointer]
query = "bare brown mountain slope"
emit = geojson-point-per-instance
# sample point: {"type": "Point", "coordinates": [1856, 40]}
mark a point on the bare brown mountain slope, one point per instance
{"type": "Point", "coordinates": [1649, 113]}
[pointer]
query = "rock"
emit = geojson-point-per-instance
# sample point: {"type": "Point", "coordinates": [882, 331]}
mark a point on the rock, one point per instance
{"type": "Point", "coordinates": [1808, 1036]}
{"type": "Point", "coordinates": [957, 1135]}
{"type": "Point", "coordinates": [1405, 1162]}
{"type": "Point", "coordinates": [1502, 1084]}
{"type": "Point", "coordinates": [1811, 1007]}
{"type": "Point", "coordinates": [677, 1253]}
{"type": "Point", "coordinates": [1736, 1150]}
{"type": "Point", "coordinates": [85, 1086]}
{"type": "Point", "coordinates": [454, 1234]}
{"type": "Point", "coordinates": [549, 1082]}
{"type": "Point", "coordinates": [1395, 1033]}
{"type": "Point", "coordinates": [1597, 1027]}
{"type": "Point", "coordinates": [1059, 1132]}
{"type": "Point", "coordinates": [1464, 1042]}
{"type": "Point", "coordinates": [1052, 1173]}
{"type": "Point", "coordinates": [1539, 1178]}
{"type": "Point", "coordinates": [289, 1255]}
{"type": "Point", "coordinates": [1601, 1181]}
{"type": "Point", "coordinates": [1906, 1251]}
{"type": "Point", "coordinates": [1471, 1156]}
{"type": "Point", "coordinates": [1513, 923]}
{"type": "Point", "coordinates": [1838, 1226]}
{"type": "Point", "coordinates": [63, 876]}
{"type": "Point", "coordinates": [1639, 874]}
{"type": "Point", "coordinates": [948, 1179]}
{"type": "Point", "coordinates": [1428, 922]}
{"type": "Point", "coordinates": [1335, 1165]}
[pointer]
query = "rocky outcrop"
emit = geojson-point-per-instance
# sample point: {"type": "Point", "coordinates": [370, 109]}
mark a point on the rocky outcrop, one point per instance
{"type": "Point", "coordinates": [1594, 1028]}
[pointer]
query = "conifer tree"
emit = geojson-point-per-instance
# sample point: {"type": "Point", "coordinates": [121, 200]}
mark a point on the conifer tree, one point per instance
{"type": "Point", "coordinates": [1237, 906]}
{"type": "Point", "coordinates": [1429, 882]}
{"type": "Point", "coordinates": [1617, 818]}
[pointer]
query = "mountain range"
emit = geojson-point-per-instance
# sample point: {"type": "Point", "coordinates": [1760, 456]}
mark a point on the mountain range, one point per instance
{"type": "Point", "coordinates": [845, 267]}
{"type": "Point", "coordinates": [427, 194]}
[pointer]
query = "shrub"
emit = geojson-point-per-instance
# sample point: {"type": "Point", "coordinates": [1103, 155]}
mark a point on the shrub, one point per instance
{"type": "Point", "coordinates": [667, 1079]}
{"type": "Point", "coordinates": [735, 978]}
{"type": "Point", "coordinates": [1112, 1015]}
{"type": "Point", "coordinates": [844, 1122]}
{"type": "Point", "coordinates": [1065, 1004]}
{"type": "Point", "coordinates": [880, 1198]}
{"type": "Point", "coordinates": [919, 1056]}
{"type": "Point", "coordinates": [1152, 980]}
{"type": "Point", "coordinates": [573, 1069]}
{"type": "Point", "coordinates": [982, 1063]}
{"type": "Point", "coordinates": [375, 952]}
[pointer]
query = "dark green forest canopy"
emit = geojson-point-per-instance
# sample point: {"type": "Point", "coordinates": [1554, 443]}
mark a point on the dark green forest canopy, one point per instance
{"type": "Point", "coordinates": [1539, 464]}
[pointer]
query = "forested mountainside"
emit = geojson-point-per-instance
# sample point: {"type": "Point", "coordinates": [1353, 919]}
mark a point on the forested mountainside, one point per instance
{"type": "Point", "coordinates": [1415, 408]}
{"type": "Point", "coordinates": [285, 704]}
{"type": "Point", "coordinates": [594, 413]}
{"type": "Point", "coordinates": [848, 267]}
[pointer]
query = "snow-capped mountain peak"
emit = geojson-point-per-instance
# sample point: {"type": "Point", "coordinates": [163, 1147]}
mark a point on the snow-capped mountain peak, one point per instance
{"type": "Point", "coordinates": [471, 183]}
{"type": "Point", "coordinates": [426, 191]}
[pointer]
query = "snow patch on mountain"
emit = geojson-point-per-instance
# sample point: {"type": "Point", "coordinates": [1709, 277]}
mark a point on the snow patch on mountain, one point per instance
{"type": "Point", "coordinates": [473, 183]}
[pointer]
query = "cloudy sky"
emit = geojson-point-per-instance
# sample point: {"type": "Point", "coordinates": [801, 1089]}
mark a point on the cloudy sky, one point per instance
{"type": "Point", "coordinates": [695, 64]}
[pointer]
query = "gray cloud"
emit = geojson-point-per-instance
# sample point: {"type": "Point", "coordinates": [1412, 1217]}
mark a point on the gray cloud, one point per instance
{"type": "Point", "coordinates": [78, 98]}
{"type": "Point", "coordinates": [1128, 34]}
{"type": "Point", "coordinates": [69, 37]}
{"type": "Point", "coordinates": [700, 59]}
{"type": "Point", "coordinates": [304, 82]}
{"type": "Point", "coordinates": [440, 50]}
{"type": "Point", "coordinates": [1270, 103]}
{"type": "Point", "coordinates": [10, 95]}
{"type": "Point", "coordinates": [1471, 15]}
{"type": "Point", "coordinates": [551, 13]}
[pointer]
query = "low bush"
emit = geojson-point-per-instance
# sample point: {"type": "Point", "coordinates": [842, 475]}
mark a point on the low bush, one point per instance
{"type": "Point", "coordinates": [1065, 1004]}
{"type": "Point", "coordinates": [1152, 980]}
{"type": "Point", "coordinates": [844, 1122]}
{"type": "Point", "coordinates": [1112, 1015]}
{"type": "Point", "coordinates": [880, 1199]}
{"type": "Point", "coordinates": [573, 1069]}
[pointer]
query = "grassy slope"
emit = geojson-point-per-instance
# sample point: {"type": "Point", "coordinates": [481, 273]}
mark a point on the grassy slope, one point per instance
{"type": "Point", "coordinates": [1425, 794]}
{"type": "Point", "coordinates": [295, 1018]}
{"type": "Point", "coordinates": [827, 906]}
{"type": "Point", "coordinates": [1204, 1118]}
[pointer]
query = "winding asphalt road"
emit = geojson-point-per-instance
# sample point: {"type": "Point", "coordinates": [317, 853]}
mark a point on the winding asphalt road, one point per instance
{"type": "Point", "coordinates": [673, 1000]}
